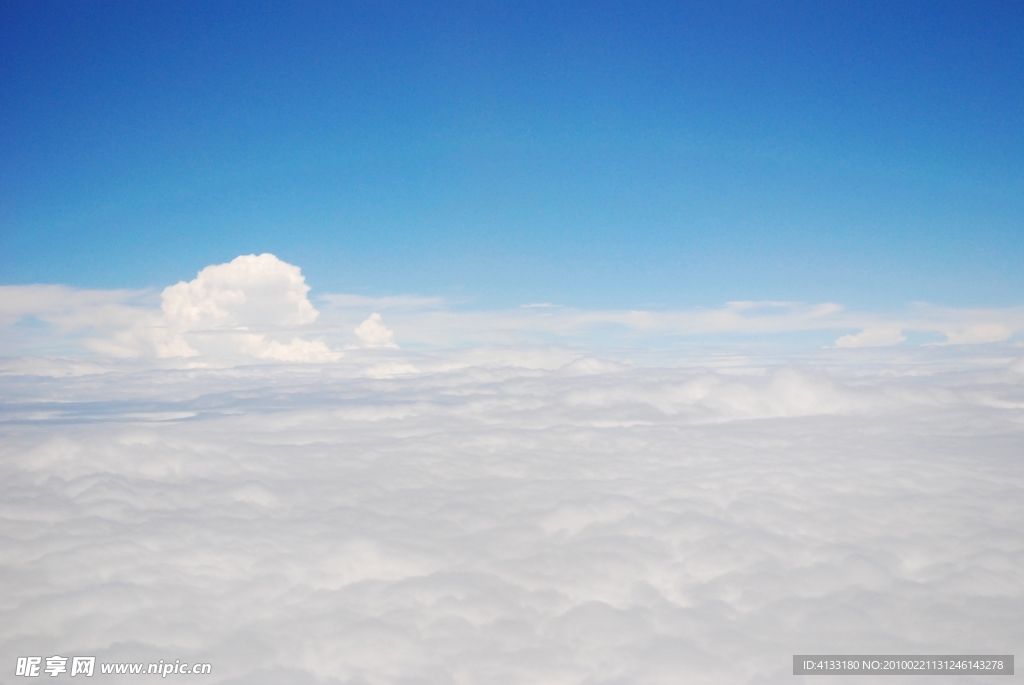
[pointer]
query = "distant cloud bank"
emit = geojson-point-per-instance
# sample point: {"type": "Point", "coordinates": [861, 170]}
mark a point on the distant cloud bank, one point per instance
{"type": "Point", "coordinates": [257, 307]}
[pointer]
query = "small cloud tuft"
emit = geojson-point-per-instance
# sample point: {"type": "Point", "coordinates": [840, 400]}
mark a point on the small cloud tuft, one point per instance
{"type": "Point", "coordinates": [373, 333]}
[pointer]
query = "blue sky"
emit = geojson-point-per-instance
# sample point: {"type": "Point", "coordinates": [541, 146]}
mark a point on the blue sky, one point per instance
{"type": "Point", "coordinates": [591, 154]}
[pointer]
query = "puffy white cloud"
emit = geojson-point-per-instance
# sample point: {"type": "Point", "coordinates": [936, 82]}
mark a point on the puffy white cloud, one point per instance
{"type": "Point", "coordinates": [250, 290]}
{"type": "Point", "coordinates": [373, 333]}
{"type": "Point", "coordinates": [250, 308]}
{"type": "Point", "coordinates": [220, 310]}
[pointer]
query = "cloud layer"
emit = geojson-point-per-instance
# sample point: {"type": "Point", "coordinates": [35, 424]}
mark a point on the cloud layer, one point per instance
{"type": "Point", "coordinates": [257, 307]}
{"type": "Point", "coordinates": [589, 522]}
{"type": "Point", "coordinates": [490, 504]}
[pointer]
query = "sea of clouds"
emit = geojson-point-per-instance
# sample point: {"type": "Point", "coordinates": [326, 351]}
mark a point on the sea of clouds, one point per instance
{"type": "Point", "coordinates": [223, 472]}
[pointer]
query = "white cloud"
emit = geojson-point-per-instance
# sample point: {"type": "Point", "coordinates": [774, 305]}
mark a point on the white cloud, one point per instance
{"type": "Point", "coordinates": [517, 515]}
{"type": "Point", "coordinates": [978, 333]}
{"type": "Point", "coordinates": [296, 350]}
{"type": "Point", "coordinates": [257, 307]}
{"type": "Point", "coordinates": [68, 308]}
{"type": "Point", "coordinates": [538, 495]}
{"type": "Point", "coordinates": [222, 310]}
{"type": "Point", "coordinates": [373, 333]}
{"type": "Point", "coordinates": [249, 308]}
{"type": "Point", "coordinates": [872, 337]}
{"type": "Point", "coordinates": [249, 290]}
{"type": "Point", "coordinates": [536, 325]}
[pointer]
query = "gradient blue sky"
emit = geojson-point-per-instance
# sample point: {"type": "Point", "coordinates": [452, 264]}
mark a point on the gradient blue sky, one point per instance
{"type": "Point", "coordinates": [592, 154]}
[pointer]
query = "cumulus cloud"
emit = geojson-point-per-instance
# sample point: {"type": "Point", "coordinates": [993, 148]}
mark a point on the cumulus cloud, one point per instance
{"type": "Point", "coordinates": [247, 308]}
{"type": "Point", "coordinates": [373, 333]}
{"type": "Point", "coordinates": [535, 515]}
{"type": "Point", "coordinates": [227, 308]}
{"type": "Point", "coordinates": [249, 290]}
